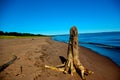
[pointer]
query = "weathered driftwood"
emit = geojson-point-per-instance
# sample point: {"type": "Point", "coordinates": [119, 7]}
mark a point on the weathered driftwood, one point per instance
{"type": "Point", "coordinates": [72, 63]}
{"type": "Point", "coordinates": [4, 66]}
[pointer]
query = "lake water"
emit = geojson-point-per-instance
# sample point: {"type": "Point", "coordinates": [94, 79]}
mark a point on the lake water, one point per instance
{"type": "Point", "coordinates": [105, 43]}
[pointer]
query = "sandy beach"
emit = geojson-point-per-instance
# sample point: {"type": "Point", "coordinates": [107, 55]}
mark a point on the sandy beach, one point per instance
{"type": "Point", "coordinates": [33, 53]}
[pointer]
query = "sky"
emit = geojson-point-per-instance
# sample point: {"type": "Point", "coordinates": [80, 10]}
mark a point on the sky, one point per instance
{"type": "Point", "coordinates": [52, 17]}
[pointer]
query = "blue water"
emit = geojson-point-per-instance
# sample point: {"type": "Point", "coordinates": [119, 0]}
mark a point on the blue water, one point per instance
{"type": "Point", "coordinates": [106, 43]}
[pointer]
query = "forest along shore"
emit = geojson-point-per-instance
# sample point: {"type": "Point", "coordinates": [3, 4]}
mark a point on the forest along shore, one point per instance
{"type": "Point", "coordinates": [33, 53]}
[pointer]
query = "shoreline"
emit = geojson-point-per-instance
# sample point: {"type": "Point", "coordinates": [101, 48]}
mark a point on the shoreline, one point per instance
{"type": "Point", "coordinates": [101, 55]}
{"type": "Point", "coordinates": [91, 50]}
{"type": "Point", "coordinates": [96, 51]}
{"type": "Point", "coordinates": [33, 54]}
{"type": "Point", "coordinates": [109, 53]}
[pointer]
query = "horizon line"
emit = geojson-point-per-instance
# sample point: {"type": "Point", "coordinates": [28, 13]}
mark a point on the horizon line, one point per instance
{"type": "Point", "coordinates": [60, 33]}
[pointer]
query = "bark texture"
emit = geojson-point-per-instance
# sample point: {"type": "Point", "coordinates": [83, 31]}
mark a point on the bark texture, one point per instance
{"type": "Point", "coordinates": [72, 63]}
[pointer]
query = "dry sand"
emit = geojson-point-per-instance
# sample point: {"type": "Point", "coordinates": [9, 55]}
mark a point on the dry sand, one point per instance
{"type": "Point", "coordinates": [33, 54]}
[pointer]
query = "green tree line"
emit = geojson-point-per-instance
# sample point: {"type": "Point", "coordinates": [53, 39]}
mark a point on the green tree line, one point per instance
{"type": "Point", "coordinates": [19, 34]}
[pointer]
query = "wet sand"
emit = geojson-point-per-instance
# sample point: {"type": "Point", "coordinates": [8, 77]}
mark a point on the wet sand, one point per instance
{"type": "Point", "coordinates": [34, 53]}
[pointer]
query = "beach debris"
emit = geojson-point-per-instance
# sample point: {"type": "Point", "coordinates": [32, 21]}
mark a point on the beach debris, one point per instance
{"type": "Point", "coordinates": [72, 63]}
{"type": "Point", "coordinates": [4, 66]}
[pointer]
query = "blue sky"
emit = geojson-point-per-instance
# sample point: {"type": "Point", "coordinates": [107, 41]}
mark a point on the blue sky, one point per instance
{"type": "Point", "coordinates": [57, 16]}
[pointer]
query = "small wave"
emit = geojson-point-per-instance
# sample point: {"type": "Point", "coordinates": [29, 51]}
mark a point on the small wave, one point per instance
{"type": "Point", "coordinates": [114, 40]}
{"type": "Point", "coordinates": [101, 45]}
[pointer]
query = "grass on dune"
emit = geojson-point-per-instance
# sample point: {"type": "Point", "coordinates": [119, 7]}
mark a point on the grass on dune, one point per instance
{"type": "Point", "coordinates": [7, 37]}
{"type": "Point", "coordinates": [12, 37]}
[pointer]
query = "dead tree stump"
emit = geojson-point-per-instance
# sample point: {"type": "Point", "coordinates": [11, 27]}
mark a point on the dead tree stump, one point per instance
{"type": "Point", "coordinates": [72, 63]}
